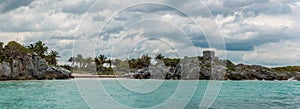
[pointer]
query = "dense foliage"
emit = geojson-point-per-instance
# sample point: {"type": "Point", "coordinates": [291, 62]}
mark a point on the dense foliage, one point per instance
{"type": "Point", "coordinates": [288, 69]}
{"type": "Point", "coordinates": [105, 65]}
{"type": "Point", "coordinates": [14, 50]}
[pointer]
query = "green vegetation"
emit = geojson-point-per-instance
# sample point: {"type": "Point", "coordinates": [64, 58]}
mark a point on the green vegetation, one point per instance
{"type": "Point", "coordinates": [51, 57]}
{"type": "Point", "coordinates": [229, 65]}
{"type": "Point", "coordinates": [292, 69]}
{"type": "Point", "coordinates": [13, 51]}
{"type": "Point", "coordinates": [103, 65]}
{"type": "Point", "coordinates": [173, 62]}
{"type": "Point", "coordinates": [168, 61]}
{"type": "Point", "coordinates": [100, 61]}
{"type": "Point", "coordinates": [159, 56]}
{"type": "Point", "coordinates": [81, 64]}
{"type": "Point", "coordinates": [141, 62]}
{"type": "Point", "coordinates": [2, 56]}
{"type": "Point", "coordinates": [39, 47]}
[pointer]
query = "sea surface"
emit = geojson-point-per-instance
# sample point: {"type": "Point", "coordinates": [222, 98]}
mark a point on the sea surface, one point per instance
{"type": "Point", "coordinates": [170, 94]}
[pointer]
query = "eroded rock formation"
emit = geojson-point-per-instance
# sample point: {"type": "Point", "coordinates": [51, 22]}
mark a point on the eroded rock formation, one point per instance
{"type": "Point", "coordinates": [209, 67]}
{"type": "Point", "coordinates": [29, 67]}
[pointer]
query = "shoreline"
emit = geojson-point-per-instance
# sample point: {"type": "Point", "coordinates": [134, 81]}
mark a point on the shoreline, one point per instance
{"type": "Point", "coordinates": [137, 79]}
{"type": "Point", "coordinates": [92, 76]}
{"type": "Point", "coordinates": [75, 76]}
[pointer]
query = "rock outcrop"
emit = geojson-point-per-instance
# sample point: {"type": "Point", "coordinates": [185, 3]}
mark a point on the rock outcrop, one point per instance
{"type": "Point", "coordinates": [30, 67]}
{"type": "Point", "coordinates": [213, 69]}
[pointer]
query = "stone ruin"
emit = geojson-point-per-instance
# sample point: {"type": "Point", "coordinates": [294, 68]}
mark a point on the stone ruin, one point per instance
{"type": "Point", "coordinates": [187, 69]}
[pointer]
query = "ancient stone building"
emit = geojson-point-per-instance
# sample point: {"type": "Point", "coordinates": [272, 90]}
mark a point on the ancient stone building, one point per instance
{"type": "Point", "coordinates": [208, 54]}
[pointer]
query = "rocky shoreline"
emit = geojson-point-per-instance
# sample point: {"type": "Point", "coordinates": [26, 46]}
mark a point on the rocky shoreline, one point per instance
{"type": "Point", "coordinates": [209, 67]}
{"type": "Point", "coordinates": [32, 62]}
{"type": "Point", "coordinates": [255, 72]}
{"type": "Point", "coordinates": [243, 72]}
{"type": "Point", "coordinates": [31, 67]}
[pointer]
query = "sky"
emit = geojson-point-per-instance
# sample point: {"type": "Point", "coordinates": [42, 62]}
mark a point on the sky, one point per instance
{"type": "Point", "coordinates": [264, 32]}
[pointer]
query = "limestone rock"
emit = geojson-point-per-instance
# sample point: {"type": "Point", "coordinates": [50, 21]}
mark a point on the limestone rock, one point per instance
{"type": "Point", "coordinates": [1, 69]}
{"type": "Point", "coordinates": [6, 70]}
{"type": "Point", "coordinates": [31, 67]}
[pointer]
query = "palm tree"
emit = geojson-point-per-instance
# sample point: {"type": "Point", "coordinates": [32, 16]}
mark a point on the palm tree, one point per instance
{"type": "Point", "coordinates": [52, 57]}
{"type": "Point", "coordinates": [145, 60]}
{"type": "Point", "coordinates": [39, 47]}
{"type": "Point", "coordinates": [117, 62]}
{"type": "Point", "coordinates": [89, 61]}
{"type": "Point", "coordinates": [79, 59]}
{"type": "Point", "coordinates": [100, 60]}
{"type": "Point", "coordinates": [110, 62]}
{"type": "Point", "coordinates": [72, 59]}
{"type": "Point", "coordinates": [159, 56]}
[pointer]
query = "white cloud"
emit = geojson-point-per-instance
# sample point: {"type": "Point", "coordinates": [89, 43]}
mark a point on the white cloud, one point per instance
{"type": "Point", "coordinates": [248, 27]}
{"type": "Point", "coordinates": [273, 21]}
{"type": "Point", "coordinates": [167, 16]}
{"type": "Point", "coordinates": [285, 52]}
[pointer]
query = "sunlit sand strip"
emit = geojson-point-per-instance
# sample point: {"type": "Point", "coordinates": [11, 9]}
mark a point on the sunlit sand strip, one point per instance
{"type": "Point", "coordinates": [102, 77]}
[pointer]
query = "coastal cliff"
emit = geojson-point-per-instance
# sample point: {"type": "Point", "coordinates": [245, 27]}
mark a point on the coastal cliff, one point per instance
{"type": "Point", "coordinates": [31, 67]}
{"type": "Point", "coordinates": [20, 63]}
{"type": "Point", "coordinates": [209, 67]}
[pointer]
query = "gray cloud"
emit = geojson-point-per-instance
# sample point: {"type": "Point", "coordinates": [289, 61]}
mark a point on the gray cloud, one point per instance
{"type": "Point", "coordinates": [77, 7]}
{"type": "Point", "coordinates": [247, 26]}
{"type": "Point", "coordinates": [8, 5]}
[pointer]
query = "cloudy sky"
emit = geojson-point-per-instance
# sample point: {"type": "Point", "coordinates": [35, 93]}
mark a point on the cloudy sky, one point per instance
{"type": "Point", "coordinates": [262, 32]}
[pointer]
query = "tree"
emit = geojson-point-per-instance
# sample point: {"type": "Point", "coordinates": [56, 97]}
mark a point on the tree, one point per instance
{"type": "Point", "coordinates": [13, 50]}
{"type": "Point", "coordinates": [79, 59]}
{"type": "Point", "coordinates": [229, 65]}
{"type": "Point", "coordinates": [100, 60]}
{"type": "Point", "coordinates": [1, 52]}
{"type": "Point", "coordinates": [80, 62]}
{"type": "Point", "coordinates": [117, 62]}
{"type": "Point", "coordinates": [145, 60]}
{"type": "Point", "coordinates": [72, 59]}
{"type": "Point", "coordinates": [88, 62]}
{"type": "Point", "coordinates": [109, 62]}
{"type": "Point", "coordinates": [51, 58]}
{"type": "Point", "coordinates": [121, 66]}
{"type": "Point", "coordinates": [173, 62]}
{"type": "Point", "coordinates": [132, 63]}
{"type": "Point", "coordinates": [159, 56]}
{"type": "Point", "coordinates": [39, 47]}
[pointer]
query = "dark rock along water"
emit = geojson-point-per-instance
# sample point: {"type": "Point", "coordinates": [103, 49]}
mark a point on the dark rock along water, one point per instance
{"type": "Point", "coordinates": [234, 94]}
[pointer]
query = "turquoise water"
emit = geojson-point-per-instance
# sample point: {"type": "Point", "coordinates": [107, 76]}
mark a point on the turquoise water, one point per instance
{"type": "Point", "coordinates": [82, 94]}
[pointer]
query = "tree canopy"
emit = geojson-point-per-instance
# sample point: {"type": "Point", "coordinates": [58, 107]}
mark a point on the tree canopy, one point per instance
{"type": "Point", "coordinates": [51, 57]}
{"type": "Point", "coordinates": [39, 47]}
{"type": "Point", "coordinates": [14, 50]}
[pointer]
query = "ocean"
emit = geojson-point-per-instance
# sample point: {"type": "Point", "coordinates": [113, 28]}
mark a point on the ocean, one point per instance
{"type": "Point", "coordinates": [168, 94]}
